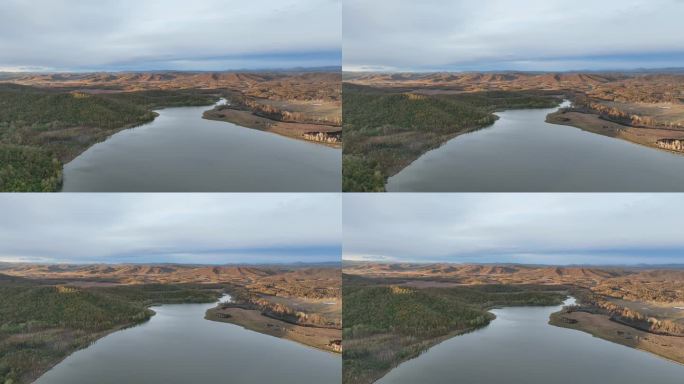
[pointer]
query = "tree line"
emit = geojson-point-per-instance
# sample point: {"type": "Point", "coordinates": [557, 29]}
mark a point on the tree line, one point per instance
{"type": "Point", "coordinates": [384, 325]}
{"type": "Point", "coordinates": [41, 323]}
{"type": "Point", "coordinates": [384, 130]}
{"type": "Point", "coordinates": [41, 129]}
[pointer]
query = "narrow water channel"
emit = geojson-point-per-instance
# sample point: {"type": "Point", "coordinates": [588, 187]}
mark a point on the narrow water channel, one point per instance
{"type": "Point", "coordinates": [523, 153]}
{"type": "Point", "coordinates": [179, 346]}
{"type": "Point", "coordinates": [520, 347]}
{"type": "Point", "coordinates": [182, 152]}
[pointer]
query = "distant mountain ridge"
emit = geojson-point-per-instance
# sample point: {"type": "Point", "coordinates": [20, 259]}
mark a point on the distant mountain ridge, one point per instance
{"type": "Point", "coordinates": [168, 273]}
{"type": "Point", "coordinates": [585, 276]}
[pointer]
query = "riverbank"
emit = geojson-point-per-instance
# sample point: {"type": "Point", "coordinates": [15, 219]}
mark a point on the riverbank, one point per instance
{"type": "Point", "coordinates": [601, 326]}
{"type": "Point", "coordinates": [327, 339]}
{"type": "Point", "coordinates": [75, 343]}
{"type": "Point", "coordinates": [43, 129]}
{"type": "Point", "coordinates": [31, 168]}
{"type": "Point", "coordinates": [386, 129]}
{"type": "Point", "coordinates": [657, 138]}
{"type": "Point", "coordinates": [87, 339]}
{"type": "Point", "coordinates": [424, 345]}
{"type": "Point", "coordinates": [178, 337]}
{"type": "Point", "coordinates": [417, 347]}
{"type": "Point", "coordinates": [329, 135]}
{"type": "Point", "coordinates": [386, 325]}
{"type": "Point", "coordinates": [44, 324]}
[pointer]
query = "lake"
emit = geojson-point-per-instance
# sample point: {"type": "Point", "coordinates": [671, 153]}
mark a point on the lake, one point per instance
{"type": "Point", "coordinates": [181, 152]}
{"type": "Point", "coordinates": [520, 347]}
{"type": "Point", "coordinates": [177, 345]}
{"type": "Point", "coordinates": [523, 153]}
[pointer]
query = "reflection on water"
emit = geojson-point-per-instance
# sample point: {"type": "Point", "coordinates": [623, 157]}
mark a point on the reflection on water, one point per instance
{"type": "Point", "coordinates": [521, 152]}
{"type": "Point", "coordinates": [520, 347]}
{"type": "Point", "coordinates": [179, 346]}
{"type": "Point", "coordinates": [179, 151]}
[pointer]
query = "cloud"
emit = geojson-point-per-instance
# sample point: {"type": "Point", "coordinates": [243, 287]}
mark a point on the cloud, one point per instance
{"type": "Point", "coordinates": [187, 228]}
{"type": "Point", "coordinates": [169, 34]}
{"type": "Point", "coordinates": [519, 35]}
{"type": "Point", "coordinates": [524, 228]}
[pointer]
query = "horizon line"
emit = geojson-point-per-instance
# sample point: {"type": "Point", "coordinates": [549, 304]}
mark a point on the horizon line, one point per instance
{"type": "Point", "coordinates": [681, 265]}
{"type": "Point", "coordinates": [167, 263]}
{"type": "Point", "coordinates": [433, 71]}
{"type": "Point", "coordinates": [322, 68]}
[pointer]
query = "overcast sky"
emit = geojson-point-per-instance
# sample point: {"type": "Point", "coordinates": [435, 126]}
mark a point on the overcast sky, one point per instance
{"type": "Point", "coordinates": [112, 35]}
{"type": "Point", "coordinates": [483, 35]}
{"type": "Point", "coordinates": [175, 228]}
{"type": "Point", "coordinates": [515, 228]}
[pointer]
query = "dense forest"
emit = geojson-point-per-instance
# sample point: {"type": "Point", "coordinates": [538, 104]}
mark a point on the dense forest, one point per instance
{"type": "Point", "coordinates": [41, 323]}
{"type": "Point", "coordinates": [385, 130]}
{"type": "Point", "coordinates": [385, 325]}
{"type": "Point", "coordinates": [41, 129]}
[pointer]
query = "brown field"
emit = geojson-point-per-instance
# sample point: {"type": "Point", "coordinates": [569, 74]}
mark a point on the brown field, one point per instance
{"type": "Point", "coordinates": [316, 110]}
{"type": "Point", "coordinates": [667, 311]}
{"type": "Point", "coordinates": [330, 307]}
{"type": "Point", "coordinates": [664, 112]}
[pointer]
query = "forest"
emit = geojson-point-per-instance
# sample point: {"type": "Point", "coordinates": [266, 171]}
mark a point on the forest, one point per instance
{"type": "Point", "coordinates": [385, 325]}
{"type": "Point", "coordinates": [42, 322]}
{"type": "Point", "coordinates": [386, 129]}
{"type": "Point", "coordinates": [42, 129]}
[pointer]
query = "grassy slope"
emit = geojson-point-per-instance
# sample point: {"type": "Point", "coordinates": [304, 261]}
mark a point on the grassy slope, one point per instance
{"type": "Point", "coordinates": [386, 325]}
{"type": "Point", "coordinates": [42, 324]}
{"type": "Point", "coordinates": [42, 129]}
{"type": "Point", "coordinates": [385, 130]}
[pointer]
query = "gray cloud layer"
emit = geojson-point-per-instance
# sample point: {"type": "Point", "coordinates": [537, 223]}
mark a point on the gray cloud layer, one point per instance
{"type": "Point", "coordinates": [191, 228]}
{"type": "Point", "coordinates": [169, 34]}
{"type": "Point", "coordinates": [524, 228]}
{"type": "Point", "coordinates": [504, 34]}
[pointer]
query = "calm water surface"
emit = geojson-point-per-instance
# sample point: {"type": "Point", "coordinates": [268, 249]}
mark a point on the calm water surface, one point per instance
{"type": "Point", "coordinates": [181, 152]}
{"type": "Point", "coordinates": [523, 153]}
{"type": "Point", "coordinates": [519, 347]}
{"type": "Point", "coordinates": [178, 346]}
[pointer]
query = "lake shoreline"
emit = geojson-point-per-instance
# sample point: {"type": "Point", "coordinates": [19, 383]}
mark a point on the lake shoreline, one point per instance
{"type": "Point", "coordinates": [430, 343]}
{"type": "Point", "coordinates": [71, 156]}
{"type": "Point", "coordinates": [425, 346]}
{"type": "Point", "coordinates": [181, 151]}
{"type": "Point", "coordinates": [247, 119]}
{"type": "Point", "coordinates": [110, 133]}
{"type": "Point", "coordinates": [670, 348]}
{"type": "Point", "coordinates": [505, 160]}
{"type": "Point", "coordinates": [92, 339]}
{"type": "Point", "coordinates": [593, 123]}
{"type": "Point", "coordinates": [95, 337]}
{"type": "Point", "coordinates": [444, 139]}
{"type": "Point", "coordinates": [251, 319]}
{"type": "Point", "coordinates": [447, 138]}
